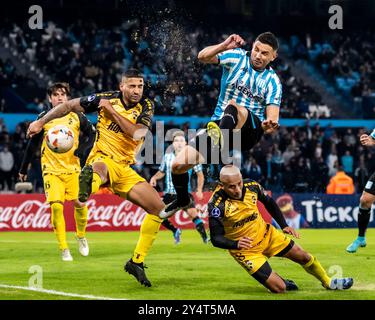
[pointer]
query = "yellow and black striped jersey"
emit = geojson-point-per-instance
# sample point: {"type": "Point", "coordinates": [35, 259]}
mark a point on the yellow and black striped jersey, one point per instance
{"type": "Point", "coordinates": [241, 217]}
{"type": "Point", "coordinates": [69, 161]}
{"type": "Point", "coordinates": [110, 139]}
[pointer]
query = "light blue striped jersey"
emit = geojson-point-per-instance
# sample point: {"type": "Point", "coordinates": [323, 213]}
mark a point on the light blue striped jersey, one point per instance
{"type": "Point", "coordinates": [166, 167]}
{"type": "Point", "coordinates": [248, 87]}
{"type": "Point", "coordinates": [373, 134]}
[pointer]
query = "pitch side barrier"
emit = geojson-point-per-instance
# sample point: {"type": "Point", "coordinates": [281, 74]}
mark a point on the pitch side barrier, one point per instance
{"type": "Point", "coordinates": [12, 119]}
{"type": "Point", "coordinates": [29, 212]}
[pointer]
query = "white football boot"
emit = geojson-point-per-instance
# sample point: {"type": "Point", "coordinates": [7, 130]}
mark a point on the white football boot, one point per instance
{"type": "Point", "coordinates": [66, 256]}
{"type": "Point", "coordinates": [83, 246]}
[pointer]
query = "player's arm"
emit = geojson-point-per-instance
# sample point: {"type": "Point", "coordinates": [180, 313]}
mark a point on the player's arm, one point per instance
{"type": "Point", "coordinates": [136, 130]}
{"type": "Point", "coordinates": [217, 231]}
{"type": "Point", "coordinates": [57, 112]}
{"type": "Point", "coordinates": [368, 140]}
{"type": "Point", "coordinates": [273, 102]}
{"type": "Point", "coordinates": [31, 148]}
{"type": "Point", "coordinates": [271, 124]}
{"type": "Point", "coordinates": [275, 211]}
{"type": "Point", "coordinates": [200, 181]}
{"type": "Point", "coordinates": [86, 138]}
{"type": "Point", "coordinates": [209, 54]}
{"type": "Point", "coordinates": [160, 174]}
{"type": "Point", "coordinates": [157, 176]}
{"type": "Point", "coordinates": [218, 239]}
{"type": "Point", "coordinates": [217, 234]}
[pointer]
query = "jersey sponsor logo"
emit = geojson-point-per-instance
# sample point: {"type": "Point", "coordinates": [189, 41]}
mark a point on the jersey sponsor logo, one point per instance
{"type": "Point", "coordinates": [114, 127]}
{"type": "Point", "coordinates": [91, 98]}
{"type": "Point", "coordinates": [215, 212]}
{"type": "Point", "coordinates": [239, 85]}
{"type": "Point", "coordinates": [242, 222]}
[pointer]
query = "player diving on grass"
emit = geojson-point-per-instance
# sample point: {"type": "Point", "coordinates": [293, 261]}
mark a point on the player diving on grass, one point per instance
{"type": "Point", "coordinates": [247, 107]}
{"type": "Point", "coordinates": [365, 202]}
{"type": "Point", "coordinates": [236, 225]}
{"type": "Point", "coordinates": [178, 142]}
{"type": "Point", "coordinates": [61, 170]}
{"type": "Point", "coordinates": [124, 118]}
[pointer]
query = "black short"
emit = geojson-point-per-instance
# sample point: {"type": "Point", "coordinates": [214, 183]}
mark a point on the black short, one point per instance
{"type": "Point", "coordinates": [170, 197]}
{"type": "Point", "coordinates": [249, 135]}
{"type": "Point", "coordinates": [263, 273]}
{"type": "Point", "coordinates": [370, 185]}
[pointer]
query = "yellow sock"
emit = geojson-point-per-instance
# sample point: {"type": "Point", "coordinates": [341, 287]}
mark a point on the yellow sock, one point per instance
{"type": "Point", "coordinates": [80, 216]}
{"type": "Point", "coordinates": [315, 268]}
{"type": "Point", "coordinates": [96, 183]}
{"type": "Point", "coordinates": [58, 223]}
{"type": "Point", "coordinates": [149, 229]}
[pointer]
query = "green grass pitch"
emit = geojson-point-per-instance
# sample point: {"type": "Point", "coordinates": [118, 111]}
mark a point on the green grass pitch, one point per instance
{"type": "Point", "coordinates": [190, 270]}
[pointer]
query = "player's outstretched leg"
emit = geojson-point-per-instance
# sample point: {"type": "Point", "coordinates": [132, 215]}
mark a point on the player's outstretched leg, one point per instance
{"type": "Point", "coordinates": [365, 204]}
{"type": "Point", "coordinates": [176, 231]}
{"type": "Point", "coordinates": [91, 178]}
{"type": "Point", "coordinates": [80, 216]}
{"type": "Point", "coordinates": [234, 117]}
{"type": "Point", "coordinates": [184, 161]}
{"type": "Point", "coordinates": [313, 266]}
{"type": "Point", "coordinates": [85, 181]}
{"type": "Point", "coordinates": [58, 224]}
{"type": "Point", "coordinates": [198, 222]}
{"type": "Point", "coordinates": [271, 280]}
{"type": "Point", "coordinates": [149, 228]}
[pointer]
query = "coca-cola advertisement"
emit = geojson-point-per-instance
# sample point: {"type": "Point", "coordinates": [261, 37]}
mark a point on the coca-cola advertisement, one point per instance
{"type": "Point", "coordinates": [30, 212]}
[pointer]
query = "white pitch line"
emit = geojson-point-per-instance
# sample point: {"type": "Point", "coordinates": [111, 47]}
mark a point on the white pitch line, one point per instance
{"type": "Point", "coordinates": [59, 293]}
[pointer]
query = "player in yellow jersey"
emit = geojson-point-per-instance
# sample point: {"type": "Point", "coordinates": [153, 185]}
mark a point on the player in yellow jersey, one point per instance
{"type": "Point", "coordinates": [61, 170]}
{"type": "Point", "coordinates": [236, 224]}
{"type": "Point", "coordinates": [124, 118]}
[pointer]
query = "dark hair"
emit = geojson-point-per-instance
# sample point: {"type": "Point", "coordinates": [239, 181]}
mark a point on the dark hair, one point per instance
{"type": "Point", "coordinates": [178, 133]}
{"type": "Point", "coordinates": [132, 73]}
{"type": "Point", "coordinates": [268, 38]}
{"type": "Point", "coordinates": [58, 85]}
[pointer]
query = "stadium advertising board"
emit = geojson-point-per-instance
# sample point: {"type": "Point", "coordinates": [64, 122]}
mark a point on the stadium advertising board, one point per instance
{"type": "Point", "coordinates": [29, 212]}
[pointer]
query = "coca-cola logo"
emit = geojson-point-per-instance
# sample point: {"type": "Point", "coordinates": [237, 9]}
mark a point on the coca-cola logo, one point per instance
{"type": "Point", "coordinates": [123, 215]}
{"type": "Point", "coordinates": [111, 213]}
{"type": "Point", "coordinates": [28, 214]}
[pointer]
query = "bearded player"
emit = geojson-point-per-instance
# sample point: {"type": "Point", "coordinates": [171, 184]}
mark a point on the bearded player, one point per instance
{"type": "Point", "coordinates": [61, 170]}
{"type": "Point", "coordinates": [237, 225]}
{"type": "Point", "coordinates": [124, 118]}
{"type": "Point", "coordinates": [247, 107]}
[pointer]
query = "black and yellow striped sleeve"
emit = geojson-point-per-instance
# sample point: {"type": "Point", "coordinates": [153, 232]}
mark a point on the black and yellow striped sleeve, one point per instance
{"type": "Point", "coordinates": [216, 211]}
{"type": "Point", "coordinates": [91, 103]}
{"type": "Point", "coordinates": [31, 148]}
{"type": "Point", "coordinates": [147, 113]}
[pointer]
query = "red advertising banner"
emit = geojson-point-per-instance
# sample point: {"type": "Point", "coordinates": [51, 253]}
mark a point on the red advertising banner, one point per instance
{"type": "Point", "coordinates": [30, 212]}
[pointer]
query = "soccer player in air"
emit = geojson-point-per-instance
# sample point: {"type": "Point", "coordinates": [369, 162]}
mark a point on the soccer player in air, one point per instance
{"type": "Point", "coordinates": [61, 170]}
{"type": "Point", "coordinates": [365, 202]}
{"type": "Point", "coordinates": [237, 225]}
{"type": "Point", "coordinates": [165, 170]}
{"type": "Point", "coordinates": [124, 118]}
{"type": "Point", "coordinates": [249, 102]}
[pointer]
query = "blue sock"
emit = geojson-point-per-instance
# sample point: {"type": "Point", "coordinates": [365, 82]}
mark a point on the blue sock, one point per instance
{"type": "Point", "coordinates": [197, 221]}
